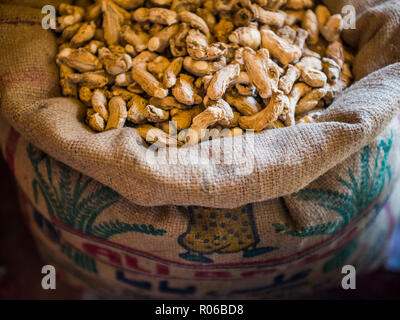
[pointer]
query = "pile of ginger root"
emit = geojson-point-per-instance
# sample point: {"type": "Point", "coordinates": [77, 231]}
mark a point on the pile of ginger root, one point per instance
{"type": "Point", "coordinates": [185, 71]}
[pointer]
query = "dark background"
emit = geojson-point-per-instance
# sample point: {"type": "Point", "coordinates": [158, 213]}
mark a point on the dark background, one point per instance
{"type": "Point", "coordinates": [20, 264]}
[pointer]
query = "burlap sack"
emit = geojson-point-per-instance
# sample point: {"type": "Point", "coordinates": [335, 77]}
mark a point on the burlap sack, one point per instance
{"type": "Point", "coordinates": [278, 248]}
{"type": "Point", "coordinates": [305, 200]}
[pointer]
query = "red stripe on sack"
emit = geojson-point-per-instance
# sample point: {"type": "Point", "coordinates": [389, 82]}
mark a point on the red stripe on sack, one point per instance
{"type": "Point", "coordinates": [17, 22]}
{"type": "Point", "coordinates": [11, 147]}
{"type": "Point", "coordinates": [281, 260]}
{"type": "Point", "coordinates": [28, 75]}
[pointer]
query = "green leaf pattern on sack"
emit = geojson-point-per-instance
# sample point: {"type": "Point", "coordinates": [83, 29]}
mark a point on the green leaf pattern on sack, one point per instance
{"type": "Point", "coordinates": [82, 260]}
{"type": "Point", "coordinates": [68, 200]}
{"type": "Point", "coordinates": [361, 193]}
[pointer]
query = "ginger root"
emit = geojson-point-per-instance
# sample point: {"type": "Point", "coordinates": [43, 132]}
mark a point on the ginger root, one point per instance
{"type": "Point", "coordinates": [69, 15]}
{"type": "Point", "coordinates": [78, 59]}
{"type": "Point", "coordinates": [194, 21]}
{"type": "Point", "coordinates": [118, 113]}
{"type": "Point", "coordinates": [203, 68]}
{"type": "Point", "coordinates": [199, 49]}
{"type": "Point", "coordinates": [137, 112]}
{"type": "Point", "coordinates": [99, 103]}
{"type": "Point", "coordinates": [132, 38]}
{"type": "Point", "coordinates": [271, 18]}
{"type": "Point", "coordinates": [279, 47]}
{"type": "Point", "coordinates": [269, 114]}
{"type": "Point", "coordinates": [92, 80]}
{"type": "Point", "coordinates": [246, 37]}
{"type": "Point", "coordinates": [257, 66]}
{"type": "Point", "coordinates": [183, 118]}
{"type": "Point", "coordinates": [160, 41]}
{"type": "Point", "coordinates": [288, 114]}
{"type": "Point", "coordinates": [288, 80]}
{"type": "Point", "coordinates": [84, 34]}
{"type": "Point", "coordinates": [156, 137]}
{"type": "Point", "coordinates": [171, 72]}
{"type": "Point", "coordinates": [218, 113]}
{"type": "Point", "coordinates": [148, 82]}
{"type": "Point", "coordinates": [222, 80]}
{"type": "Point", "coordinates": [185, 92]}
{"type": "Point", "coordinates": [246, 105]}
{"type": "Point", "coordinates": [155, 15]}
{"type": "Point", "coordinates": [310, 100]}
{"type": "Point", "coordinates": [185, 71]}
{"type": "Point", "coordinates": [115, 64]}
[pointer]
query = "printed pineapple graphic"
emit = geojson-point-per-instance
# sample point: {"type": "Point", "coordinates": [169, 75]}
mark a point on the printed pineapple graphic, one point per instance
{"type": "Point", "coordinates": [220, 231]}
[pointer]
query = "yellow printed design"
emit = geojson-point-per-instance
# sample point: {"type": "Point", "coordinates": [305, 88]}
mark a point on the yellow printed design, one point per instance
{"type": "Point", "coordinates": [220, 231]}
